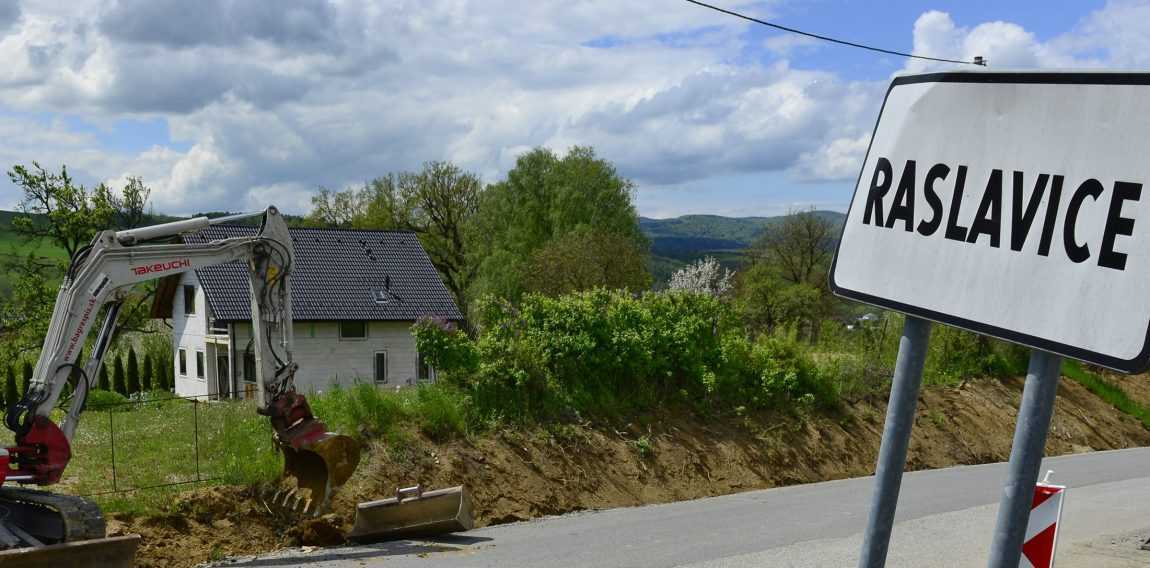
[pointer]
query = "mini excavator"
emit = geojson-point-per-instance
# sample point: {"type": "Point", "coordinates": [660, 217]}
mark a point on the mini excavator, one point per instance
{"type": "Point", "coordinates": [44, 528]}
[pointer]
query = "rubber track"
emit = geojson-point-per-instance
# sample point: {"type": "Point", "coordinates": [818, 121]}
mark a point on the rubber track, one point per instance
{"type": "Point", "coordinates": [83, 519]}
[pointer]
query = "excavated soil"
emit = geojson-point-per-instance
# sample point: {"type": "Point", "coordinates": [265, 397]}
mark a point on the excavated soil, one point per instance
{"type": "Point", "coordinates": [521, 474]}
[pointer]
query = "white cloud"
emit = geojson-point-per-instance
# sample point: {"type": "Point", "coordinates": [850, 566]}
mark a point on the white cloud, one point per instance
{"type": "Point", "coordinates": [270, 103]}
{"type": "Point", "coordinates": [839, 159]}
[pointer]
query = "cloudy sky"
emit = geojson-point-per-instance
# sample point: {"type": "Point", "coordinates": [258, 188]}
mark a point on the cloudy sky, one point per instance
{"type": "Point", "coordinates": [233, 104]}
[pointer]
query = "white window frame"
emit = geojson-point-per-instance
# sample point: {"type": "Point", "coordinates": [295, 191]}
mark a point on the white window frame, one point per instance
{"type": "Point", "coordinates": [342, 337]}
{"type": "Point", "coordinates": [182, 362]}
{"type": "Point", "coordinates": [184, 291]}
{"type": "Point", "coordinates": [375, 367]}
{"type": "Point", "coordinates": [430, 370]}
{"type": "Point", "coordinates": [200, 363]}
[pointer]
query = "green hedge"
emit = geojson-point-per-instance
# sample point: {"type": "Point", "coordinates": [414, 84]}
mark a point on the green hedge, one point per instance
{"type": "Point", "coordinates": [605, 351]}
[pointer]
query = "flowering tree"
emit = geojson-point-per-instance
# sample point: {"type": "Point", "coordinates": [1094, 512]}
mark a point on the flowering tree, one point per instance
{"type": "Point", "coordinates": [704, 276]}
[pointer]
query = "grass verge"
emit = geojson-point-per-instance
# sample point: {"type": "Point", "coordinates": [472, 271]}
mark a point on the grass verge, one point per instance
{"type": "Point", "coordinates": [1110, 392]}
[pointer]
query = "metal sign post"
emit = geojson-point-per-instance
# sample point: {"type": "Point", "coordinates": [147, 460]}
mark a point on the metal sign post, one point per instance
{"type": "Point", "coordinates": [900, 410]}
{"type": "Point", "coordinates": [1025, 458]}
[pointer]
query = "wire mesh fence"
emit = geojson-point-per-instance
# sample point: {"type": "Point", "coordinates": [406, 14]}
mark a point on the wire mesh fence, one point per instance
{"type": "Point", "coordinates": [155, 443]}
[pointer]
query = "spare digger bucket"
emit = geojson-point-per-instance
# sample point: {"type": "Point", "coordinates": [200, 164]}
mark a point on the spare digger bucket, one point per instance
{"type": "Point", "coordinates": [413, 513]}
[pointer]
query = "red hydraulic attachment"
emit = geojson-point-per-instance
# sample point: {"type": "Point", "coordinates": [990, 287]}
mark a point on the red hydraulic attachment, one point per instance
{"type": "Point", "coordinates": [39, 456]}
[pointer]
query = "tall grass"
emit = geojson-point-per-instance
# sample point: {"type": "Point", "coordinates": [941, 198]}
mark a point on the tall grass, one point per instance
{"type": "Point", "coordinates": [861, 361]}
{"type": "Point", "coordinates": [1106, 390]}
{"type": "Point", "coordinates": [439, 411]}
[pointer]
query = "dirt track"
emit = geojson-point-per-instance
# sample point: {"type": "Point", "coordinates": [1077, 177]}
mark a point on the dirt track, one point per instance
{"type": "Point", "coordinates": [516, 475]}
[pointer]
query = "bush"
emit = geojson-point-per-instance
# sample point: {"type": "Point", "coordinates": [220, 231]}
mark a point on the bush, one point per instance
{"type": "Point", "coordinates": [774, 371]}
{"type": "Point", "coordinates": [957, 355]}
{"type": "Point", "coordinates": [11, 395]}
{"type": "Point", "coordinates": [598, 350]}
{"type": "Point", "coordinates": [363, 409]}
{"type": "Point", "coordinates": [442, 411]}
{"type": "Point", "coordinates": [119, 380]}
{"type": "Point", "coordinates": [609, 352]}
{"type": "Point", "coordinates": [102, 399]}
{"type": "Point", "coordinates": [445, 347]}
{"type": "Point", "coordinates": [133, 372]}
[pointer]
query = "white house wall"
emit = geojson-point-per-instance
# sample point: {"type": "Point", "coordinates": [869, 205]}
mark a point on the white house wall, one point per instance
{"type": "Point", "coordinates": [324, 358]}
{"type": "Point", "coordinates": [188, 333]}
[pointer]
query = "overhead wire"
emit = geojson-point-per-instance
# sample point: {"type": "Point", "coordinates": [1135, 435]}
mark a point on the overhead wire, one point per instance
{"type": "Point", "coordinates": [977, 61]}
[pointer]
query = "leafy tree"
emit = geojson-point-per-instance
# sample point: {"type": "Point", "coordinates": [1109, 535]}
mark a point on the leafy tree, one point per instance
{"type": "Point", "coordinates": [766, 301]}
{"type": "Point", "coordinates": [102, 382]}
{"type": "Point", "coordinates": [119, 377]}
{"type": "Point", "coordinates": [148, 380]}
{"type": "Point", "coordinates": [133, 371]}
{"type": "Point", "coordinates": [167, 375]}
{"type": "Point", "coordinates": [704, 276]}
{"type": "Point", "coordinates": [27, 372]}
{"type": "Point", "coordinates": [545, 197]}
{"type": "Point", "coordinates": [130, 206]}
{"type": "Point", "coordinates": [786, 283]}
{"type": "Point", "coordinates": [582, 260]}
{"type": "Point", "coordinates": [10, 394]}
{"type": "Point", "coordinates": [55, 208]}
{"type": "Point", "coordinates": [25, 313]}
{"type": "Point", "coordinates": [438, 203]}
{"type": "Point", "coordinates": [338, 209]}
{"type": "Point", "coordinates": [72, 213]}
{"type": "Point", "coordinates": [800, 247]}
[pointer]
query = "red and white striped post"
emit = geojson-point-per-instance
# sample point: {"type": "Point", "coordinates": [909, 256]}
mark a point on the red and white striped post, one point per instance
{"type": "Point", "coordinates": [1042, 528]}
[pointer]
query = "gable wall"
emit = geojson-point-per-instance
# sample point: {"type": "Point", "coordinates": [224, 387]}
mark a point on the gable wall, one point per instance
{"type": "Point", "coordinates": [188, 333]}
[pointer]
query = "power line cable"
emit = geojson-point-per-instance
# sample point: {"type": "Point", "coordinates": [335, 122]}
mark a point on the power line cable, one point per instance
{"type": "Point", "coordinates": [978, 60]}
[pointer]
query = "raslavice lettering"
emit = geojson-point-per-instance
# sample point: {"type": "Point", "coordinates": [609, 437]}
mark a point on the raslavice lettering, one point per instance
{"type": "Point", "coordinates": [1026, 219]}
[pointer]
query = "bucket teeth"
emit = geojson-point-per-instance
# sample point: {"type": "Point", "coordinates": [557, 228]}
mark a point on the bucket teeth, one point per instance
{"type": "Point", "coordinates": [290, 502]}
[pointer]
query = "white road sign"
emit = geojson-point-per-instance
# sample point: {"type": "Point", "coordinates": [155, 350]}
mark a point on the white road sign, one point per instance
{"type": "Point", "coordinates": [1010, 204]}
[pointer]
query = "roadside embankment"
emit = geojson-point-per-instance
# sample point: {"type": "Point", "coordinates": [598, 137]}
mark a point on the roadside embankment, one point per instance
{"type": "Point", "coordinates": [523, 473]}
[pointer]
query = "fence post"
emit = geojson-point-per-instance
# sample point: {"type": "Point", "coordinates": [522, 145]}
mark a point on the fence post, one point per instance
{"type": "Point", "coordinates": [196, 433]}
{"type": "Point", "coordinates": [112, 446]}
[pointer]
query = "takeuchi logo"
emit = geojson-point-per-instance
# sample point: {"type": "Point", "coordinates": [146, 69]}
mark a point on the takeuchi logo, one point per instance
{"type": "Point", "coordinates": [162, 266]}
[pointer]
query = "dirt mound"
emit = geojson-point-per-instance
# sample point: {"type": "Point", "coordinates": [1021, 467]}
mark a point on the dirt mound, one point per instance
{"type": "Point", "coordinates": [522, 474]}
{"type": "Point", "coordinates": [202, 525]}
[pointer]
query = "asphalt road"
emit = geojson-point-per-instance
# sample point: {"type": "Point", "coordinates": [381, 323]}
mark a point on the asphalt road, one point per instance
{"type": "Point", "coordinates": [945, 518]}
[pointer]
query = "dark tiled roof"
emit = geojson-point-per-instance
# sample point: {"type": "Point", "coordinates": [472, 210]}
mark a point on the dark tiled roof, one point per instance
{"type": "Point", "coordinates": [335, 276]}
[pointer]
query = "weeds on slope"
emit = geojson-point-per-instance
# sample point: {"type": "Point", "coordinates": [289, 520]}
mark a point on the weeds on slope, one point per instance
{"type": "Point", "coordinates": [1106, 390]}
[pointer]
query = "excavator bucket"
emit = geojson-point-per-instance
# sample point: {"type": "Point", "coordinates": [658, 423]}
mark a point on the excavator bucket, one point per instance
{"type": "Point", "coordinates": [316, 462]}
{"type": "Point", "coordinates": [315, 470]}
{"type": "Point", "coordinates": [413, 513]}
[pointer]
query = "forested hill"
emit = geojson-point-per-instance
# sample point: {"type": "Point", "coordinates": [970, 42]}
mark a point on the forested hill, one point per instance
{"type": "Point", "coordinates": [679, 240]}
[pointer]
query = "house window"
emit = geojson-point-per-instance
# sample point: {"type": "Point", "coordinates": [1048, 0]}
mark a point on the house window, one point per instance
{"type": "Point", "coordinates": [426, 373]}
{"type": "Point", "coordinates": [183, 363]}
{"type": "Point", "coordinates": [199, 364]}
{"type": "Point", "coordinates": [381, 367]}
{"type": "Point", "coordinates": [249, 366]}
{"type": "Point", "coordinates": [352, 330]}
{"type": "Point", "coordinates": [189, 300]}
